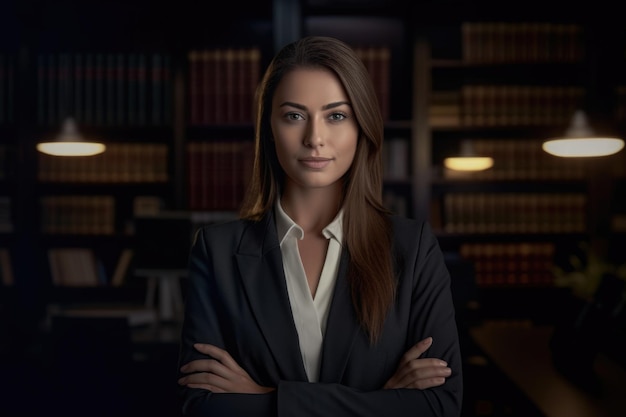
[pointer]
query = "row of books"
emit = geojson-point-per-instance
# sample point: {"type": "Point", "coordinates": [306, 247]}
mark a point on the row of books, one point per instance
{"type": "Point", "coordinates": [218, 173]}
{"type": "Point", "coordinates": [222, 84]}
{"type": "Point", "coordinates": [491, 42]}
{"type": "Point", "coordinates": [77, 214]}
{"type": "Point", "coordinates": [514, 264]}
{"type": "Point", "coordinates": [504, 105]}
{"type": "Point", "coordinates": [514, 213]}
{"type": "Point", "coordinates": [120, 163]}
{"type": "Point", "coordinates": [81, 267]}
{"type": "Point", "coordinates": [105, 89]}
{"type": "Point", "coordinates": [7, 88]}
{"type": "Point", "coordinates": [520, 159]}
{"type": "Point", "coordinates": [75, 267]}
{"type": "Point", "coordinates": [377, 60]}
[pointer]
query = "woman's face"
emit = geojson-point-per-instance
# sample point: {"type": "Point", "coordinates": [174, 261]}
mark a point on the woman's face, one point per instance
{"type": "Point", "coordinates": [314, 128]}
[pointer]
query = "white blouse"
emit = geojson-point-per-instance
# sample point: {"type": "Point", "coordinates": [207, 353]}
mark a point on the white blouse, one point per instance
{"type": "Point", "coordinates": [309, 313]}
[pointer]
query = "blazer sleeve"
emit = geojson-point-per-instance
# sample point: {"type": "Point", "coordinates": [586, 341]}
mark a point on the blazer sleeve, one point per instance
{"type": "Point", "coordinates": [204, 322]}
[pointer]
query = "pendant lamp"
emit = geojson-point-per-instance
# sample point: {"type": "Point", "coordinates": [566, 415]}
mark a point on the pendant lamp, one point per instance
{"type": "Point", "coordinates": [468, 160]}
{"type": "Point", "coordinates": [581, 141]}
{"type": "Point", "coordinates": [70, 143]}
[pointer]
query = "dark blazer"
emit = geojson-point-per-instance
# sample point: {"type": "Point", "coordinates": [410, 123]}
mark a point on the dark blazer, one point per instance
{"type": "Point", "coordinates": [237, 299]}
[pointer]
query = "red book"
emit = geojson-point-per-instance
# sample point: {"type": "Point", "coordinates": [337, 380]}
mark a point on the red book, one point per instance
{"type": "Point", "coordinates": [219, 81]}
{"type": "Point", "coordinates": [230, 88]}
{"type": "Point", "coordinates": [207, 94]}
{"type": "Point", "coordinates": [195, 92]}
{"type": "Point", "coordinates": [194, 167]}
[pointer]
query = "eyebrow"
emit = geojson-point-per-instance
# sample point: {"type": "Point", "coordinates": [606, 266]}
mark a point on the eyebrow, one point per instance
{"type": "Point", "coordinates": [325, 107]}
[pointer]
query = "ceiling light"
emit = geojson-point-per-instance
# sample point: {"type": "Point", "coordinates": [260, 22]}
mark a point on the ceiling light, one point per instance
{"type": "Point", "coordinates": [581, 141]}
{"type": "Point", "coordinates": [70, 143]}
{"type": "Point", "coordinates": [468, 160]}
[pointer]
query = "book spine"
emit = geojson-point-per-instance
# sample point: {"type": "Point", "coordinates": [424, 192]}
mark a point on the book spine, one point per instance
{"type": "Point", "coordinates": [207, 94]}
{"type": "Point", "coordinates": [111, 90]}
{"type": "Point", "coordinates": [167, 90]}
{"type": "Point", "coordinates": [52, 89]}
{"type": "Point", "coordinates": [194, 87]}
{"type": "Point", "coordinates": [78, 75]}
{"type": "Point", "coordinates": [89, 89]}
{"type": "Point", "coordinates": [100, 74]}
{"type": "Point", "coordinates": [230, 74]}
{"type": "Point", "coordinates": [132, 85]}
{"type": "Point", "coordinates": [219, 85]}
{"type": "Point", "coordinates": [157, 89]}
{"type": "Point", "coordinates": [120, 93]}
{"type": "Point", "coordinates": [142, 89]}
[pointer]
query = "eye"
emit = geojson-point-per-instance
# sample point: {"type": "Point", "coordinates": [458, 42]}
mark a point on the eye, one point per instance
{"type": "Point", "coordinates": [336, 117]}
{"type": "Point", "coordinates": [293, 116]}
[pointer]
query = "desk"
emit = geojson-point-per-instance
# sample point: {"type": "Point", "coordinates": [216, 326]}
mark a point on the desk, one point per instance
{"type": "Point", "coordinates": [522, 352]}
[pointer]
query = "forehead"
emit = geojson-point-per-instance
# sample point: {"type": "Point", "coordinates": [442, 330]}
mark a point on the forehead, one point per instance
{"type": "Point", "coordinates": [303, 85]}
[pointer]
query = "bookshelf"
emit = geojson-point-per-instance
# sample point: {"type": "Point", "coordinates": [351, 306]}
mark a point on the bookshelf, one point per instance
{"type": "Point", "coordinates": [158, 97]}
{"type": "Point", "coordinates": [505, 86]}
{"type": "Point", "coordinates": [132, 88]}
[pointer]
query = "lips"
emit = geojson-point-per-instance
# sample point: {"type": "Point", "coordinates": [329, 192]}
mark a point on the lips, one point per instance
{"type": "Point", "coordinates": [315, 163]}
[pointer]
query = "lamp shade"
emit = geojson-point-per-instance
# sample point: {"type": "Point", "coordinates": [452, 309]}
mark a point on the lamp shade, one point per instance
{"type": "Point", "coordinates": [581, 141]}
{"type": "Point", "coordinates": [468, 160]}
{"type": "Point", "coordinates": [70, 143]}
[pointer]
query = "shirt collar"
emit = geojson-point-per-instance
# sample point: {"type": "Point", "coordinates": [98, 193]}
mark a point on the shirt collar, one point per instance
{"type": "Point", "coordinates": [285, 226]}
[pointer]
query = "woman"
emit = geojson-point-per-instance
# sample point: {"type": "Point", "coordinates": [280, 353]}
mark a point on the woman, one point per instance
{"type": "Point", "coordinates": [318, 301]}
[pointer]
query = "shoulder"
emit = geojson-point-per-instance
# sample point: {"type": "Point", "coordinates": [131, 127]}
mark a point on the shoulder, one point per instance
{"type": "Point", "coordinates": [406, 227]}
{"type": "Point", "coordinates": [241, 234]}
{"type": "Point", "coordinates": [222, 229]}
{"type": "Point", "coordinates": [410, 234]}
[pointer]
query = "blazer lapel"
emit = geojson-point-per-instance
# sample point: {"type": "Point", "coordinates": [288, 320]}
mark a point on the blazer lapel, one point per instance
{"type": "Point", "coordinates": [260, 263]}
{"type": "Point", "coordinates": [341, 328]}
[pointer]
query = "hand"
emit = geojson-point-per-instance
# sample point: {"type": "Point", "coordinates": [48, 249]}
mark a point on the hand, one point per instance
{"type": "Point", "coordinates": [220, 374]}
{"type": "Point", "coordinates": [417, 373]}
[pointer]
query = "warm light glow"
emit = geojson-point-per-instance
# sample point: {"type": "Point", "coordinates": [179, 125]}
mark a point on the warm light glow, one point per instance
{"type": "Point", "coordinates": [70, 143]}
{"type": "Point", "coordinates": [71, 148]}
{"type": "Point", "coordinates": [469, 163]}
{"type": "Point", "coordinates": [581, 147]}
{"type": "Point", "coordinates": [580, 141]}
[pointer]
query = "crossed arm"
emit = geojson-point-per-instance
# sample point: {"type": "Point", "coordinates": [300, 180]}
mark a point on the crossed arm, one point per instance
{"type": "Point", "coordinates": [222, 374]}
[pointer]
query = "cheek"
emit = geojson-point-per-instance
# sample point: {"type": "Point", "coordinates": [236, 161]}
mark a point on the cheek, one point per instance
{"type": "Point", "coordinates": [283, 151]}
{"type": "Point", "coordinates": [349, 148]}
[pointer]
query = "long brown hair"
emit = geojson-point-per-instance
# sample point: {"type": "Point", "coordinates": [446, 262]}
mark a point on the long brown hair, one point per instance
{"type": "Point", "coordinates": [367, 228]}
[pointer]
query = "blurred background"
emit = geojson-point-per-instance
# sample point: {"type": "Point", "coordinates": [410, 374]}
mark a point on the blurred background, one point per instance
{"type": "Point", "coordinates": [93, 247]}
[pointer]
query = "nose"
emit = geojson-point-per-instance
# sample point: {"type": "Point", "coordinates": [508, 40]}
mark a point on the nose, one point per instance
{"type": "Point", "coordinates": [314, 135]}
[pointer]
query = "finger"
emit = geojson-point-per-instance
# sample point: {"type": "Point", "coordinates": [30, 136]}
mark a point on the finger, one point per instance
{"type": "Point", "coordinates": [202, 365]}
{"type": "Point", "coordinates": [426, 383]}
{"type": "Point", "coordinates": [416, 350]}
{"type": "Point", "coordinates": [221, 355]}
{"type": "Point", "coordinates": [418, 369]}
{"type": "Point", "coordinates": [206, 387]}
{"type": "Point", "coordinates": [423, 377]}
{"type": "Point", "coordinates": [204, 381]}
